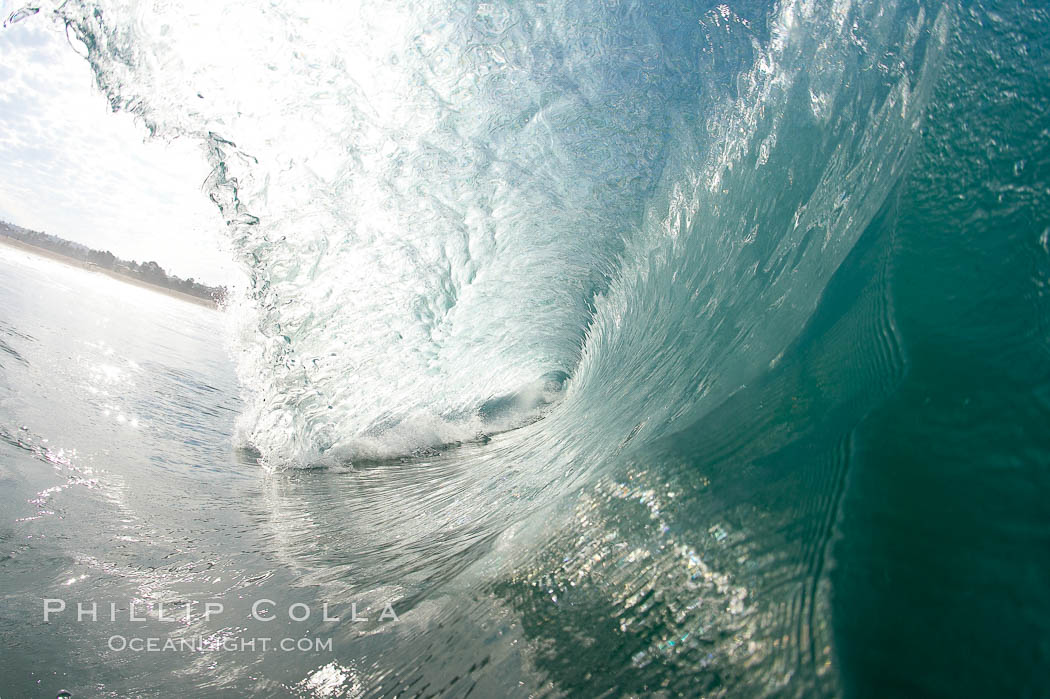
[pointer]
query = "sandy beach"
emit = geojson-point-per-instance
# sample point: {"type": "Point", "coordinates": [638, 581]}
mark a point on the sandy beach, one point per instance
{"type": "Point", "coordinates": [73, 262]}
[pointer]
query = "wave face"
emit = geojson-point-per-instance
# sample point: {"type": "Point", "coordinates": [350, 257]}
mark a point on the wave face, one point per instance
{"type": "Point", "coordinates": [670, 243]}
{"type": "Point", "coordinates": [444, 207]}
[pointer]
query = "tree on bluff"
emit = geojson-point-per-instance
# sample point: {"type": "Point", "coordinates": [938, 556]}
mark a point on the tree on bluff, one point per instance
{"type": "Point", "coordinates": [151, 271]}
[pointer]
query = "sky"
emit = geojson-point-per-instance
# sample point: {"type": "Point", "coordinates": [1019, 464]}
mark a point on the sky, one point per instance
{"type": "Point", "coordinates": [71, 167]}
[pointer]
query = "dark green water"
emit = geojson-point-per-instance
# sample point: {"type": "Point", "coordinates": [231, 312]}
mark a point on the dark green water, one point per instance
{"type": "Point", "coordinates": [945, 519]}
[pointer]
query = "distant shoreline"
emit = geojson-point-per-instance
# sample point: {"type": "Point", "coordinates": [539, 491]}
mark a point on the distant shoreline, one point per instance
{"type": "Point", "coordinates": [91, 267]}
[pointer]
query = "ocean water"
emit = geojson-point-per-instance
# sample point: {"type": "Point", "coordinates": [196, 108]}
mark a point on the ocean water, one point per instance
{"type": "Point", "coordinates": [588, 349]}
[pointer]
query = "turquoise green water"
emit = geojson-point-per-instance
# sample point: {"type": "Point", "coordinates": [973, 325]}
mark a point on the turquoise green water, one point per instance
{"type": "Point", "coordinates": [626, 349]}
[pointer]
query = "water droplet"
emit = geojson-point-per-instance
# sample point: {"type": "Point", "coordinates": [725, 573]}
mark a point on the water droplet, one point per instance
{"type": "Point", "coordinates": [19, 15]}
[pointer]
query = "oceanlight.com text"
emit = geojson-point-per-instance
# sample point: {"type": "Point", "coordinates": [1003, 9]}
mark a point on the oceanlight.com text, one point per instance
{"type": "Point", "coordinates": [206, 644]}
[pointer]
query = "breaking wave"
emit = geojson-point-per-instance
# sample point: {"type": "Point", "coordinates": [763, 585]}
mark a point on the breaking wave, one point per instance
{"type": "Point", "coordinates": [624, 210]}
